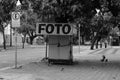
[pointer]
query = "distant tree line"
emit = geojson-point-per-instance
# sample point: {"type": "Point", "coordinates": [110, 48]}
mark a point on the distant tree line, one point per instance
{"type": "Point", "coordinates": [93, 26]}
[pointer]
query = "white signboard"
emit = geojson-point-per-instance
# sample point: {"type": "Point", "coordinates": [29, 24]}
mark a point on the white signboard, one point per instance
{"type": "Point", "coordinates": [15, 19]}
{"type": "Point", "coordinates": [54, 29]}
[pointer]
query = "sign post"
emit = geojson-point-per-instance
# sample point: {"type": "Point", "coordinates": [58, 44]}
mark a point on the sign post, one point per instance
{"type": "Point", "coordinates": [79, 36]}
{"type": "Point", "coordinates": [15, 48]}
{"type": "Point", "coordinates": [15, 24]}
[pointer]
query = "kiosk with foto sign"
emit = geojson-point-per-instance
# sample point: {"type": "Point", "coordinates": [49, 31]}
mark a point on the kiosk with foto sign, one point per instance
{"type": "Point", "coordinates": [59, 41]}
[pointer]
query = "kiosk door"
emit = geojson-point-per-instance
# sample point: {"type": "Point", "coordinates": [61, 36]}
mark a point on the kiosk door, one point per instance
{"type": "Point", "coordinates": [59, 48]}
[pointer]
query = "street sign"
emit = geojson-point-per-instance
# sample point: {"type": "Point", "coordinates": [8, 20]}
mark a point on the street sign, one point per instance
{"type": "Point", "coordinates": [54, 29]}
{"type": "Point", "coordinates": [15, 19]}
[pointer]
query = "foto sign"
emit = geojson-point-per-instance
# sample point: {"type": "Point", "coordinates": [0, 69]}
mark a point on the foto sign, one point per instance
{"type": "Point", "coordinates": [15, 19]}
{"type": "Point", "coordinates": [53, 29]}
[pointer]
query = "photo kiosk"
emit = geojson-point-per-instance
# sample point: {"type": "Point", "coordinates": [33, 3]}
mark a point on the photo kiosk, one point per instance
{"type": "Point", "coordinates": [59, 40]}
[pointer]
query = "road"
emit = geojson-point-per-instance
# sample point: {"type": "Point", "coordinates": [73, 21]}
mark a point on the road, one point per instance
{"type": "Point", "coordinates": [87, 67]}
{"type": "Point", "coordinates": [112, 53]}
{"type": "Point", "coordinates": [33, 54]}
{"type": "Point", "coordinates": [7, 58]}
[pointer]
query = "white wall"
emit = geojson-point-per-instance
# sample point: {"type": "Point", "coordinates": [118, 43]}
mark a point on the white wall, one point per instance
{"type": "Point", "coordinates": [7, 33]}
{"type": "Point", "coordinates": [1, 39]}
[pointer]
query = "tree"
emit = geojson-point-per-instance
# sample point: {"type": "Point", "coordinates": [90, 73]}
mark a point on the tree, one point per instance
{"type": "Point", "coordinates": [79, 11]}
{"type": "Point", "coordinates": [102, 27]}
{"type": "Point", "coordinates": [28, 26]}
{"type": "Point", "coordinates": [85, 30]}
{"type": "Point", "coordinates": [6, 6]}
{"type": "Point", "coordinates": [111, 8]}
{"type": "Point", "coordinates": [23, 31]}
{"type": "Point", "coordinates": [66, 11]}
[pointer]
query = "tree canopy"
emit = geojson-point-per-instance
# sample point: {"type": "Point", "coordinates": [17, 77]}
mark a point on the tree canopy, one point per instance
{"type": "Point", "coordinates": [66, 11]}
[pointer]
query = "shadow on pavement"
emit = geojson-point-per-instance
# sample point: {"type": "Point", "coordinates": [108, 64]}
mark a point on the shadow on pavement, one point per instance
{"type": "Point", "coordinates": [96, 64]}
{"type": "Point", "coordinates": [86, 64]}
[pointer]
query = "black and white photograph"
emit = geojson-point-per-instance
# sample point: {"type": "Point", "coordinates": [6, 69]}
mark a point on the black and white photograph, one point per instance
{"type": "Point", "coordinates": [59, 39]}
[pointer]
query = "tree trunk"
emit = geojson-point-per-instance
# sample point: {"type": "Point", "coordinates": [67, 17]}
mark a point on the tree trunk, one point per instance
{"type": "Point", "coordinates": [4, 40]}
{"type": "Point", "coordinates": [23, 46]}
{"type": "Point", "coordinates": [83, 41]}
{"type": "Point", "coordinates": [93, 42]}
{"type": "Point", "coordinates": [97, 37]}
{"type": "Point", "coordinates": [31, 40]}
{"type": "Point", "coordinates": [23, 41]}
{"type": "Point", "coordinates": [10, 37]}
{"type": "Point", "coordinates": [97, 44]}
{"type": "Point", "coordinates": [100, 45]}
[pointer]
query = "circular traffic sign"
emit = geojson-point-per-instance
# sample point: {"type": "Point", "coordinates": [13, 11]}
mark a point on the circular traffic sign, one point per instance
{"type": "Point", "coordinates": [16, 15]}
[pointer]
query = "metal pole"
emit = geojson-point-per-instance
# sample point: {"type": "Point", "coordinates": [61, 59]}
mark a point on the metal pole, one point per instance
{"type": "Point", "coordinates": [46, 51]}
{"type": "Point", "coordinates": [18, 7]}
{"type": "Point", "coordinates": [79, 36]}
{"type": "Point", "coordinates": [10, 36]}
{"type": "Point", "coordinates": [15, 48]}
{"type": "Point", "coordinates": [46, 56]}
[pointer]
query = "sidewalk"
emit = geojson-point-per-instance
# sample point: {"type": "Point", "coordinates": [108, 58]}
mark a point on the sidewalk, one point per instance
{"type": "Point", "coordinates": [87, 67]}
{"type": "Point", "coordinates": [19, 46]}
